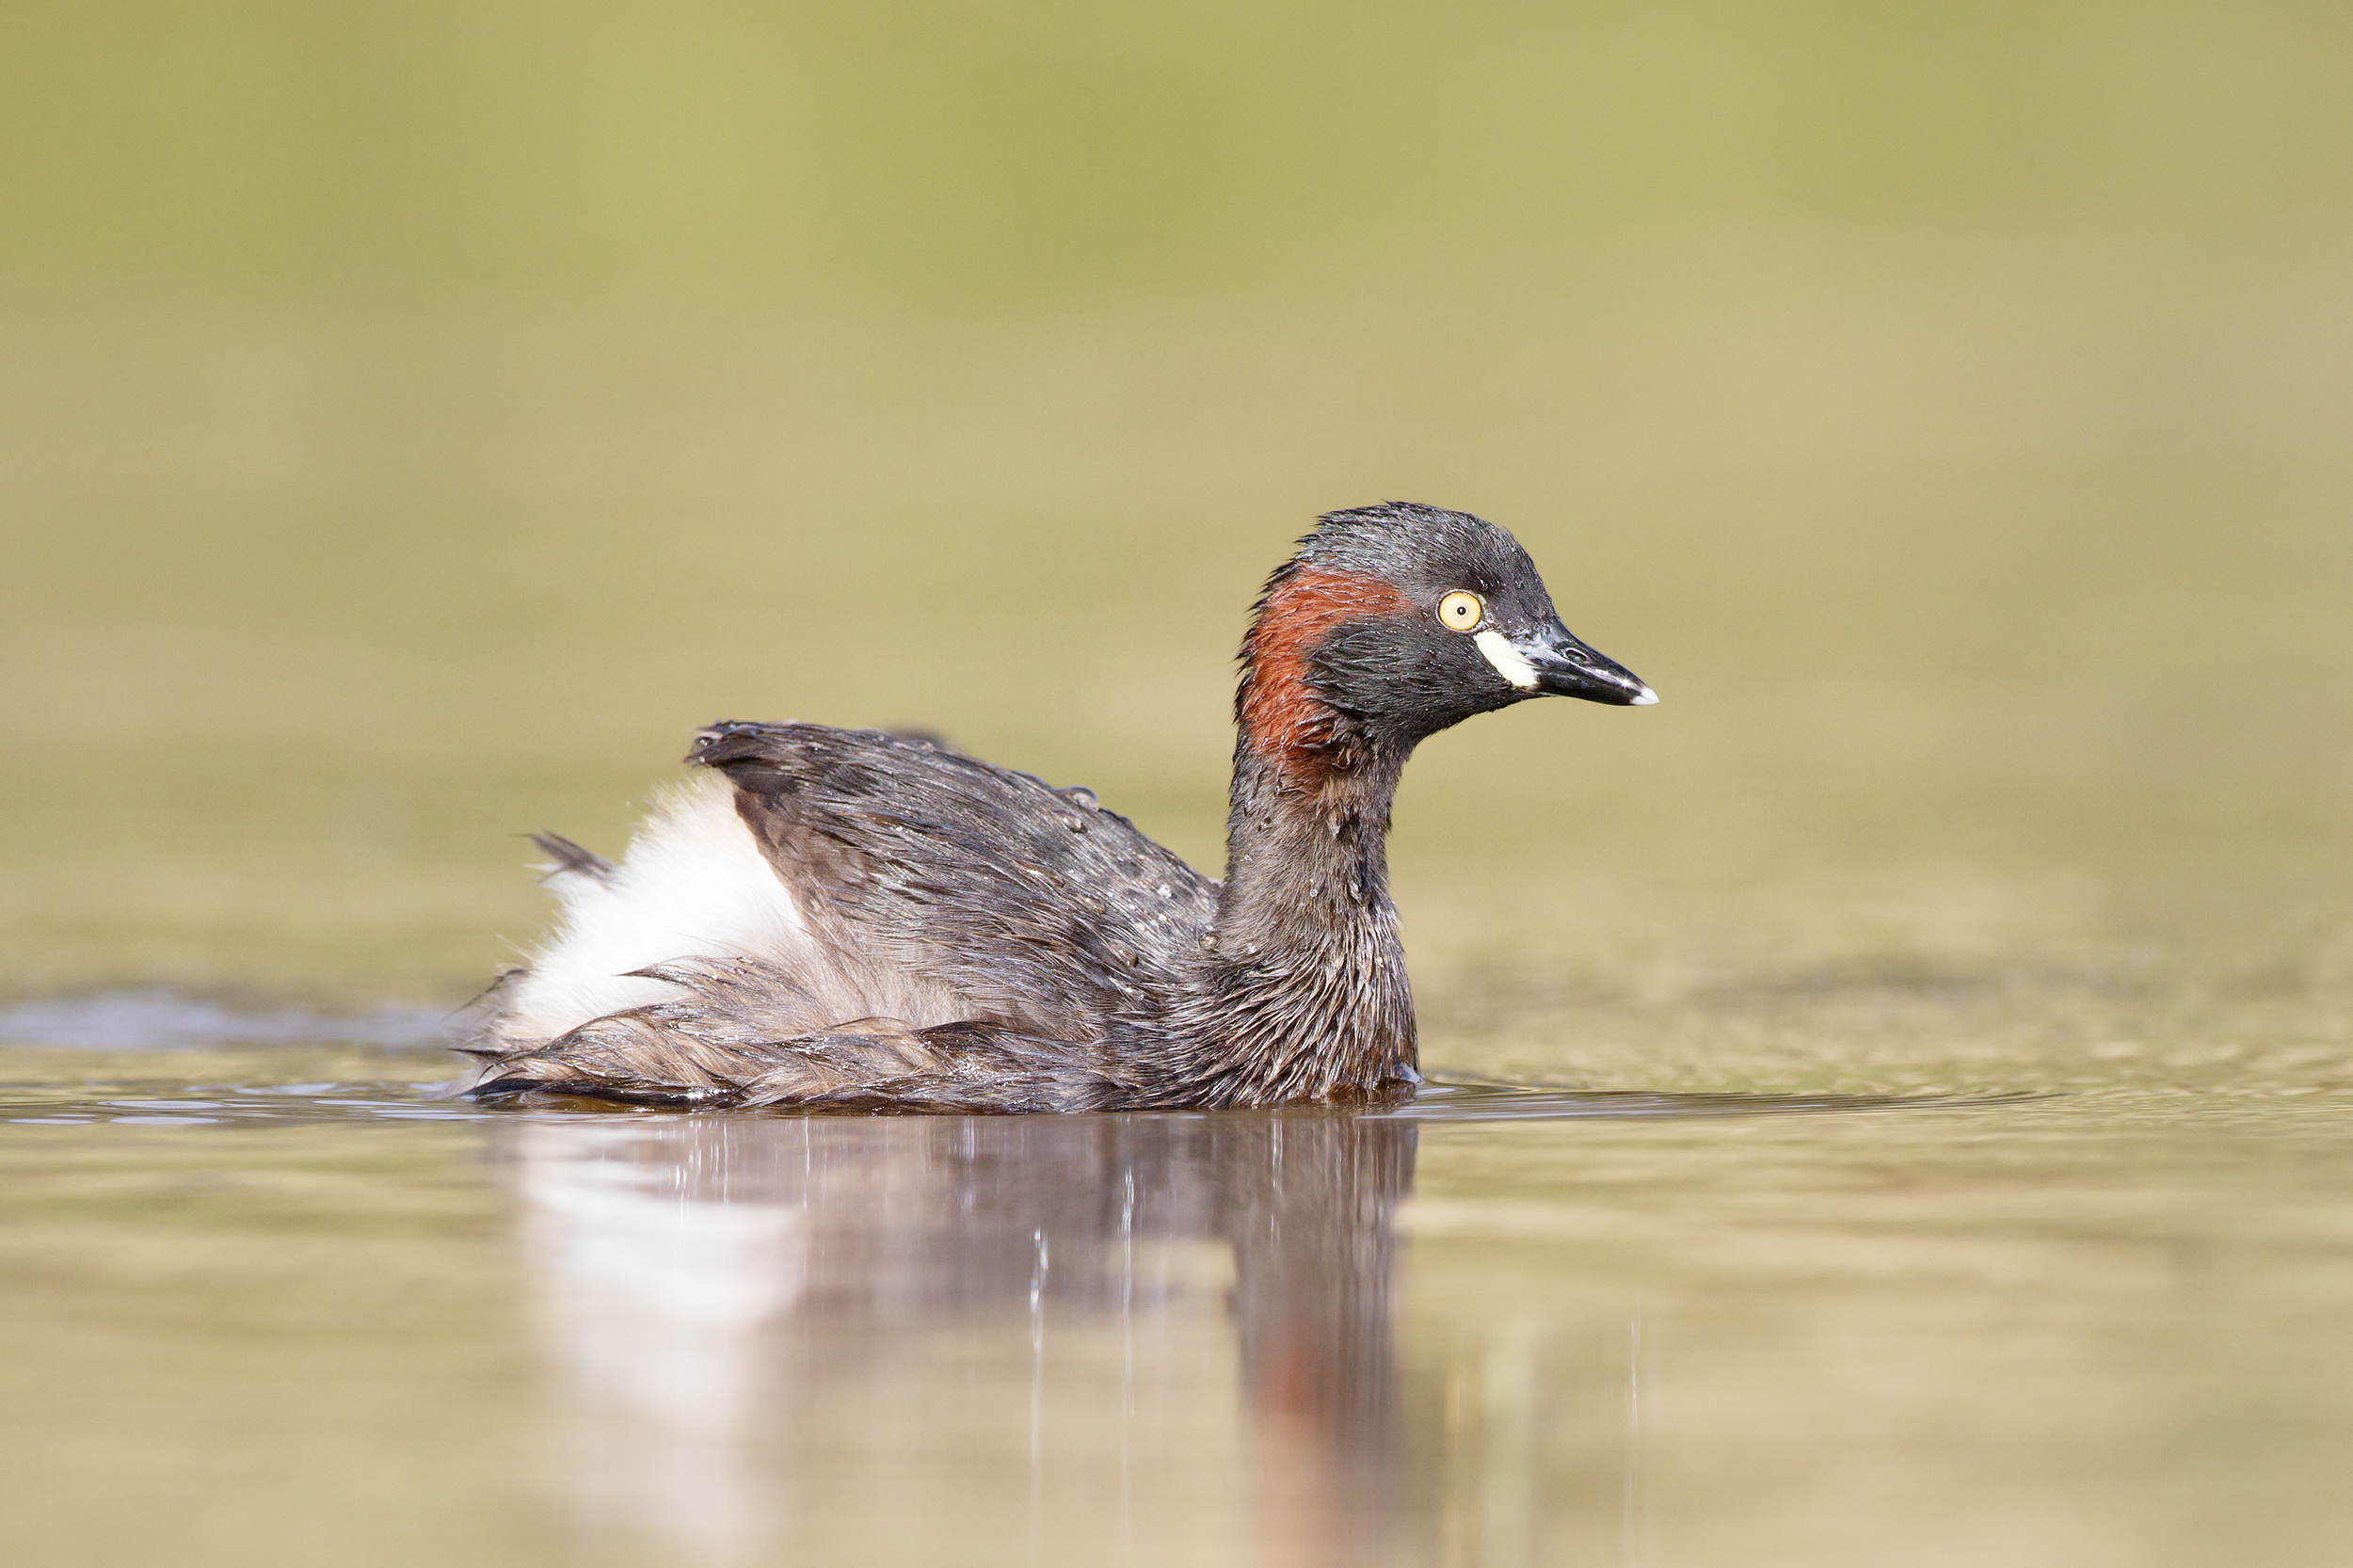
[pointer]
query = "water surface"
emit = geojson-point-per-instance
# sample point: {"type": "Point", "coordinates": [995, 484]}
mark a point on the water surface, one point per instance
{"type": "Point", "coordinates": [295, 1303]}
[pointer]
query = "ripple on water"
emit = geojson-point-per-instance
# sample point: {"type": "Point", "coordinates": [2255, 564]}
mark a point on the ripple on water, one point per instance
{"type": "Point", "coordinates": [1439, 1102]}
{"type": "Point", "coordinates": [156, 1019]}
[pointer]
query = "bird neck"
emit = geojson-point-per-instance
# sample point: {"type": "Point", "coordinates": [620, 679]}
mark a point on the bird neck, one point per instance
{"type": "Point", "coordinates": [1306, 977]}
{"type": "Point", "coordinates": [1307, 853]}
{"type": "Point", "coordinates": [1305, 835]}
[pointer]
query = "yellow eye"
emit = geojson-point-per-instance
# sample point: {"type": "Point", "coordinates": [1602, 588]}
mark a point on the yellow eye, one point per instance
{"type": "Point", "coordinates": [1460, 610]}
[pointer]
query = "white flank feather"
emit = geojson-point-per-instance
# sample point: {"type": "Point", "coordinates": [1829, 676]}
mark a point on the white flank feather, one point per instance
{"type": "Point", "coordinates": [694, 885]}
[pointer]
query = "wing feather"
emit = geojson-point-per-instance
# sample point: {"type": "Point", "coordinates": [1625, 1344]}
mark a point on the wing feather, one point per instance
{"type": "Point", "coordinates": [1035, 907]}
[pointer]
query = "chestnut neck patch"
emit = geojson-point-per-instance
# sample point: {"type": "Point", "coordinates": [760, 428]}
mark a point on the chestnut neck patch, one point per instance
{"type": "Point", "coordinates": [1283, 721]}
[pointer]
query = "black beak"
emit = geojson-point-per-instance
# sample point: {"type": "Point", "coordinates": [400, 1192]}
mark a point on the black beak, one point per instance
{"type": "Point", "coordinates": [1566, 667]}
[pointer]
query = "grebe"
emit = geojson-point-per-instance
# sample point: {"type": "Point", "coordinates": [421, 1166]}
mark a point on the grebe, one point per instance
{"type": "Point", "coordinates": [832, 919]}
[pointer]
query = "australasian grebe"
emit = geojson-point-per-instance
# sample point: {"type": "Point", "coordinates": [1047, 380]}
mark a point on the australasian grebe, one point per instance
{"type": "Point", "coordinates": [858, 921]}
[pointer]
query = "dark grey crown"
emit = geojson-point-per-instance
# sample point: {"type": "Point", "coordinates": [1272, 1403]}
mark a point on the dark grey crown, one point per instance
{"type": "Point", "coordinates": [1425, 551]}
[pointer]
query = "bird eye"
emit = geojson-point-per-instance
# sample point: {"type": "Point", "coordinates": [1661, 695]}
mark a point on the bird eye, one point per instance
{"type": "Point", "coordinates": [1460, 610]}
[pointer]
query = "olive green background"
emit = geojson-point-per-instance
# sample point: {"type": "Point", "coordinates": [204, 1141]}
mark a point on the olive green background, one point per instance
{"type": "Point", "coordinates": [414, 421]}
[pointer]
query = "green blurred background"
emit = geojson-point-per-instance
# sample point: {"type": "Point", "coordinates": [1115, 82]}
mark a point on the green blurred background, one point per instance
{"type": "Point", "coordinates": [416, 420]}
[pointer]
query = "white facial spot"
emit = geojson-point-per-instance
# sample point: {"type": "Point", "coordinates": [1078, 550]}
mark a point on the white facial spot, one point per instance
{"type": "Point", "coordinates": [1510, 662]}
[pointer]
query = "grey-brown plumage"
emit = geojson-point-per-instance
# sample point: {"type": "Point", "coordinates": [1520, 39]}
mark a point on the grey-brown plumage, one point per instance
{"type": "Point", "coordinates": [963, 937]}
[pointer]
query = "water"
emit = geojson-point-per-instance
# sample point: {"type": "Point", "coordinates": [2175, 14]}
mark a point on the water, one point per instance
{"type": "Point", "coordinates": [313, 1306]}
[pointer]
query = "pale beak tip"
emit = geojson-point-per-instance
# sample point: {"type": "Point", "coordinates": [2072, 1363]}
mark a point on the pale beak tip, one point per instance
{"type": "Point", "coordinates": [1647, 699]}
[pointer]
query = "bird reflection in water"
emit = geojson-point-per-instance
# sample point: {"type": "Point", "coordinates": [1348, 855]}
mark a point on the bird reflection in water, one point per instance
{"type": "Point", "coordinates": [1015, 1339]}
